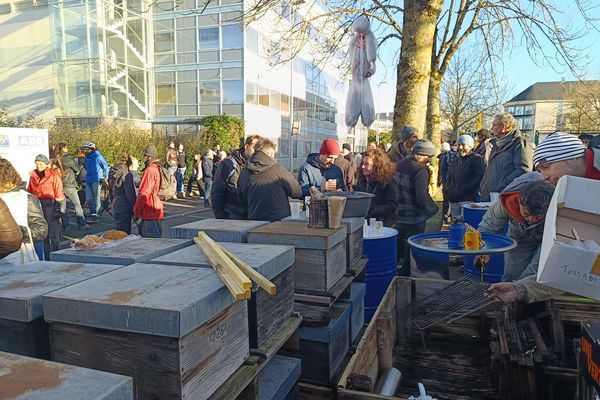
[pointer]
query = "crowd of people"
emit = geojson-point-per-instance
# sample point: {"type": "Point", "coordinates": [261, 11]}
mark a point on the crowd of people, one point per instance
{"type": "Point", "coordinates": [249, 183]}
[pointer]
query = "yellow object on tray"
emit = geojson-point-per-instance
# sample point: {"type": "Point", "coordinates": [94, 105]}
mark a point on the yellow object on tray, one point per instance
{"type": "Point", "coordinates": [472, 240]}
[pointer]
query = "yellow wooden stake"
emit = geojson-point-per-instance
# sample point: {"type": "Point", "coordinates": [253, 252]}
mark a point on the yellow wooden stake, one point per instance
{"type": "Point", "coordinates": [235, 272]}
{"type": "Point", "coordinates": [259, 279]}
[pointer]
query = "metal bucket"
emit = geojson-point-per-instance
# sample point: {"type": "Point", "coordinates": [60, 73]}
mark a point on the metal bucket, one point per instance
{"type": "Point", "coordinates": [381, 267]}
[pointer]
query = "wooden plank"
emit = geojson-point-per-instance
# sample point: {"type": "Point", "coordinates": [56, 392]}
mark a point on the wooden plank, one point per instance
{"type": "Point", "coordinates": [314, 392]}
{"type": "Point", "coordinates": [385, 340]}
{"type": "Point", "coordinates": [346, 394]}
{"type": "Point", "coordinates": [231, 266]}
{"type": "Point", "coordinates": [260, 280]}
{"type": "Point", "coordinates": [403, 299]}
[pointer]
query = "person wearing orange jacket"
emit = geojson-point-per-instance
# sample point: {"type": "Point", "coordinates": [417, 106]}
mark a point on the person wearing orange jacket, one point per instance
{"type": "Point", "coordinates": [148, 207]}
{"type": "Point", "coordinates": [46, 184]}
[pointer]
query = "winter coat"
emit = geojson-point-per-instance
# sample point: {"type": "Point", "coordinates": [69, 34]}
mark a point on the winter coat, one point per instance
{"type": "Point", "coordinates": [506, 163]}
{"type": "Point", "coordinates": [398, 153]}
{"type": "Point", "coordinates": [96, 167]}
{"type": "Point", "coordinates": [148, 205]}
{"type": "Point", "coordinates": [523, 260]}
{"type": "Point", "coordinates": [446, 160]}
{"type": "Point", "coordinates": [313, 173]}
{"type": "Point", "coordinates": [484, 149]}
{"type": "Point", "coordinates": [224, 196]}
{"type": "Point", "coordinates": [31, 214]}
{"type": "Point", "coordinates": [122, 189]}
{"type": "Point", "coordinates": [592, 164]}
{"type": "Point", "coordinates": [383, 205]}
{"type": "Point", "coordinates": [11, 236]}
{"type": "Point", "coordinates": [47, 187]}
{"type": "Point", "coordinates": [464, 177]}
{"type": "Point", "coordinates": [82, 176]}
{"type": "Point", "coordinates": [348, 170]}
{"type": "Point", "coordinates": [70, 170]}
{"type": "Point", "coordinates": [264, 185]}
{"type": "Point", "coordinates": [181, 161]}
{"type": "Point", "coordinates": [414, 203]}
{"type": "Point", "coordinates": [207, 168]}
{"type": "Point", "coordinates": [171, 157]}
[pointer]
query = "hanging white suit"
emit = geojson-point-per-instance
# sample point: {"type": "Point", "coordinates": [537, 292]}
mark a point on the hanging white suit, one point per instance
{"type": "Point", "coordinates": [362, 54]}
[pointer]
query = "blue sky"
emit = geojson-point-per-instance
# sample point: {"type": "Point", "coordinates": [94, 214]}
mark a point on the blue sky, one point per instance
{"type": "Point", "coordinates": [519, 69]}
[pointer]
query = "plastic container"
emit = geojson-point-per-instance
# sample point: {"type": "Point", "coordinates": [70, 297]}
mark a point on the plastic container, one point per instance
{"type": "Point", "coordinates": [381, 267]}
{"type": "Point", "coordinates": [357, 203]}
{"type": "Point", "coordinates": [457, 234]}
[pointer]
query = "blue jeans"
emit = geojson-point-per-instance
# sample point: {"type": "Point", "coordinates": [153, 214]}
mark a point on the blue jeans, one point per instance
{"type": "Point", "coordinates": [179, 175]}
{"type": "Point", "coordinates": [123, 222]}
{"type": "Point", "coordinates": [150, 228]}
{"type": "Point", "coordinates": [92, 195]}
{"type": "Point", "coordinates": [207, 189]}
{"type": "Point", "coordinates": [73, 197]}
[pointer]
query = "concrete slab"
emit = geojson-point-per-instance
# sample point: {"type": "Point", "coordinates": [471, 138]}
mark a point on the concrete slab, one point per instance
{"type": "Point", "coordinates": [267, 259]}
{"type": "Point", "coordinates": [22, 286]}
{"type": "Point", "coordinates": [130, 252]}
{"type": "Point", "coordinates": [24, 378]}
{"type": "Point", "coordinates": [278, 377]}
{"type": "Point", "coordinates": [163, 300]}
{"type": "Point", "coordinates": [220, 230]}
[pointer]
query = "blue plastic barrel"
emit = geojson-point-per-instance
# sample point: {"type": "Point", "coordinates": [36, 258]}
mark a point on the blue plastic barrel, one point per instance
{"type": "Point", "coordinates": [495, 267]}
{"type": "Point", "coordinates": [381, 267]}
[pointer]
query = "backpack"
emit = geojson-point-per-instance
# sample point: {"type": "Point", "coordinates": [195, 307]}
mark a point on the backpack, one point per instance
{"type": "Point", "coordinates": [168, 184]}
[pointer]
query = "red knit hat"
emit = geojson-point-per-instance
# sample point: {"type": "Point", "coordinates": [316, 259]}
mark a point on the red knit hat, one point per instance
{"type": "Point", "coordinates": [330, 147]}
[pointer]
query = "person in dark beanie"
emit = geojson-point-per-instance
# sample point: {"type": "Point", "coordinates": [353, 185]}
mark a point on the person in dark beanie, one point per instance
{"type": "Point", "coordinates": [406, 138]}
{"type": "Point", "coordinates": [320, 169]}
{"type": "Point", "coordinates": [148, 206]}
{"type": "Point", "coordinates": [415, 204]}
{"type": "Point", "coordinates": [586, 138]}
{"type": "Point", "coordinates": [224, 196]}
{"type": "Point", "coordinates": [265, 186]}
{"type": "Point", "coordinates": [464, 175]}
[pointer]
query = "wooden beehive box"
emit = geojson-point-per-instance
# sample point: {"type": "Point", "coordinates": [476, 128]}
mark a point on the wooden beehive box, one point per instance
{"type": "Point", "coordinates": [322, 349]}
{"type": "Point", "coordinates": [354, 240]}
{"type": "Point", "coordinates": [127, 253]}
{"type": "Point", "coordinates": [266, 313]}
{"type": "Point", "coordinates": [277, 381]}
{"type": "Point", "coordinates": [24, 378]}
{"type": "Point", "coordinates": [176, 330]}
{"type": "Point", "coordinates": [220, 230]}
{"type": "Point", "coordinates": [320, 260]}
{"type": "Point", "coordinates": [22, 326]}
{"type": "Point", "coordinates": [357, 308]}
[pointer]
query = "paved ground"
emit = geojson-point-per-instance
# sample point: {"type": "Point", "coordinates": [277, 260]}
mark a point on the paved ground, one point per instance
{"type": "Point", "coordinates": [177, 212]}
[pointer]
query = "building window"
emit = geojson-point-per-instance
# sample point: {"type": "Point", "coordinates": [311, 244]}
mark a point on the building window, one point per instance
{"type": "Point", "coordinates": [275, 99]}
{"type": "Point", "coordinates": [231, 73]}
{"type": "Point", "coordinates": [251, 93]}
{"type": "Point", "coordinates": [252, 40]}
{"type": "Point", "coordinates": [233, 37]}
{"type": "Point", "coordinates": [165, 94]}
{"type": "Point", "coordinates": [263, 96]}
{"type": "Point", "coordinates": [210, 92]}
{"type": "Point", "coordinates": [208, 19]}
{"type": "Point", "coordinates": [285, 102]}
{"type": "Point", "coordinates": [187, 93]}
{"type": "Point", "coordinates": [163, 42]}
{"type": "Point", "coordinates": [186, 40]}
{"type": "Point", "coordinates": [233, 91]}
{"type": "Point", "coordinates": [209, 74]}
{"type": "Point", "coordinates": [209, 38]}
{"type": "Point", "coordinates": [163, 25]}
{"type": "Point", "coordinates": [186, 58]}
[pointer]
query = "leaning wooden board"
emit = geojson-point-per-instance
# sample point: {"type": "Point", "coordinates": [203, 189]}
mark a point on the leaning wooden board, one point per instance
{"type": "Point", "coordinates": [175, 330]}
{"type": "Point", "coordinates": [22, 326]}
{"type": "Point", "coordinates": [266, 313]}
{"type": "Point", "coordinates": [320, 260]}
{"type": "Point", "coordinates": [24, 378]}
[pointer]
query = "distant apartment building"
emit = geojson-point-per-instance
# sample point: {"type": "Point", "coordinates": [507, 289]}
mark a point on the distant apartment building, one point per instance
{"type": "Point", "coordinates": [545, 107]}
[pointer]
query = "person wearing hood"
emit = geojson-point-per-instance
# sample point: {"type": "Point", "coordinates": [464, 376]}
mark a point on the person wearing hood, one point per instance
{"type": "Point", "coordinates": [464, 176]}
{"type": "Point", "coordinates": [148, 206]}
{"type": "Point", "coordinates": [224, 197]}
{"type": "Point", "coordinates": [522, 206]}
{"type": "Point", "coordinates": [415, 204]}
{"type": "Point", "coordinates": [320, 170]}
{"type": "Point", "coordinates": [559, 154]}
{"type": "Point", "coordinates": [348, 166]}
{"type": "Point", "coordinates": [207, 166]}
{"type": "Point", "coordinates": [69, 169]}
{"type": "Point", "coordinates": [122, 193]}
{"type": "Point", "coordinates": [97, 171]}
{"type": "Point", "coordinates": [511, 156]}
{"type": "Point", "coordinates": [264, 185]}
{"type": "Point", "coordinates": [406, 139]}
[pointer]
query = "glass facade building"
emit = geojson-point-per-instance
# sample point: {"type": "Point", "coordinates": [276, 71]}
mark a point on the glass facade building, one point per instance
{"type": "Point", "coordinates": [102, 59]}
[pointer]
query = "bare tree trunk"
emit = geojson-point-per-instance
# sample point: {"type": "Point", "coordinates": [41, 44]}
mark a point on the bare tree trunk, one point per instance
{"type": "Point", "coordinates": [414, 67]}
{"type": "Point", "coordinates": [434, 113]}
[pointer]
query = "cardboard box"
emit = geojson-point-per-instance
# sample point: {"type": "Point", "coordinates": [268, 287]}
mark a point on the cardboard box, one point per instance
{"type": "Point", "coordinates": [563, 265]}
{"type": "Point", "coordinates": [590, 347]}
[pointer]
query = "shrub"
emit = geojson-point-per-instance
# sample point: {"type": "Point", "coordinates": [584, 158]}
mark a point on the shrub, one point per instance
{"type": "Point", "coordinates": [227, 130]}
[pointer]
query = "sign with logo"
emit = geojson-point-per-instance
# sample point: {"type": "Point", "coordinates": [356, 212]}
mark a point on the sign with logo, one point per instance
{"type": "Point", "coordinates": [20, 146]}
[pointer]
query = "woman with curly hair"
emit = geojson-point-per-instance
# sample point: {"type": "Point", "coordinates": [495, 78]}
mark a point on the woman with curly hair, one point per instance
{"type": "Point", "coordinates": [26, 210]}
{"type": "Point", "coordinates": [378, 176]}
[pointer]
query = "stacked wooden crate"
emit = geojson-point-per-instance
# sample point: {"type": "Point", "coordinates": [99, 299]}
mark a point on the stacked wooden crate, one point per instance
{"type": "Point", "coordinates": [175, 330]}
{"type": "Point", "coordinates": [320, 279]}
{"type": "Point", "coordinates": [125, 253]}
{"type": "Point", "coordinates": [22, 326]}
{"type": "Point", "coordinates": [354, 245]}
{"type": "Point", "coordinates": [24, 378]}
{"type": "Point", "coordinates": [220, 230]}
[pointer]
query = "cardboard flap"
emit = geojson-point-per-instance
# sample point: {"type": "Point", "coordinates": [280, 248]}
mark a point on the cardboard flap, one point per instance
{"type": "Point", "coordinates": [578, 194]}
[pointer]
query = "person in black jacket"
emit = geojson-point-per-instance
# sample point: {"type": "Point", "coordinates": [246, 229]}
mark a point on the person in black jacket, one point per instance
{"type": "Point", "coordinates": [224, 197]}
{"type": "Point", "coordinates": [464, 176]}
{"type": "Point", "coordinates": [196, 177]}
{"type": "Point", "coordinates": [265, 186]}
{"type": "Point", "coordinates": [207, 175]}
{"type": "Point", "coordinates": [378, 176]}
{"type": "Point", "coordinates": [69, 170]}
{"type": "Point", "coordinates": [26, 211]}
{"type": "Point", "coordinates": [122, 193]}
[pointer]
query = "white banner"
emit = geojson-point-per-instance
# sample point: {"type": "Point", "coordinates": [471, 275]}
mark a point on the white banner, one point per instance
{"type": "Point", "coordinates": [20, 146]}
